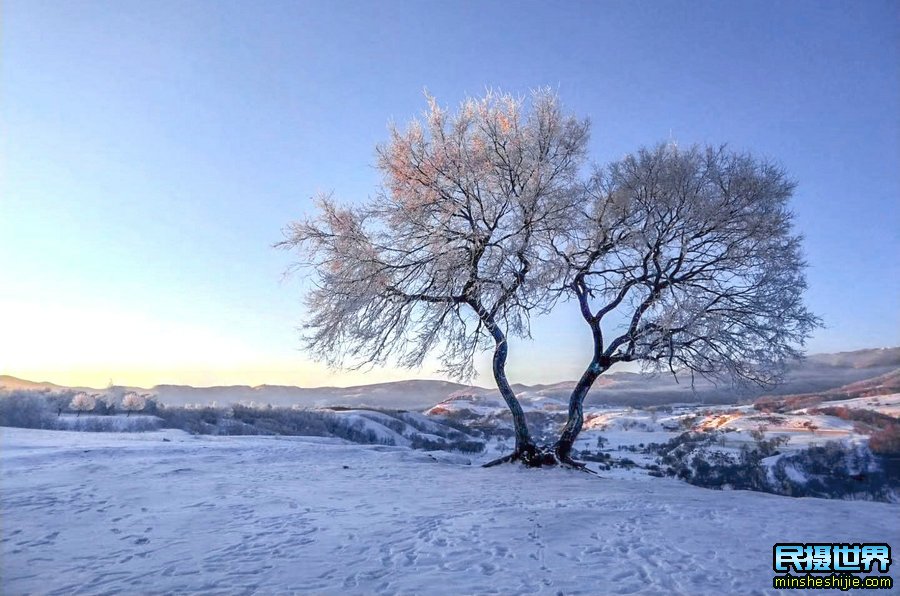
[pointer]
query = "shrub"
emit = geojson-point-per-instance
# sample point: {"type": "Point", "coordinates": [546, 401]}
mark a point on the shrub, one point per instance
{"type": "Point", "coordinates": [886, 442]}
{"type": "Point", "coordinates": [26, 409]}
{"type": "Point", "coordinates": [835, 470]}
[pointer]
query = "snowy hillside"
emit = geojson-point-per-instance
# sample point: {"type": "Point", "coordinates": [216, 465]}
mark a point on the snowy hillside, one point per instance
{"type": "Point", "coordinates": [815, 445]}
{"type": "Point", "coordinates": [168, 512]}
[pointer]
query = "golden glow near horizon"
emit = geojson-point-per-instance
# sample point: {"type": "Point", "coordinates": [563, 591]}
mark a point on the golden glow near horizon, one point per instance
{"type": "Point", "coordinates": [89, 345]}
{"type": "Point", "coordinates": [304, 375]}
{"type": "Point", "coordinates": [86, 346]}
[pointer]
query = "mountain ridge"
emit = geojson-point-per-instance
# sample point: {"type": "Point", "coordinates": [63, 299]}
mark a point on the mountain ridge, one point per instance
{"type": "Point", "coordinates": [818, 372]}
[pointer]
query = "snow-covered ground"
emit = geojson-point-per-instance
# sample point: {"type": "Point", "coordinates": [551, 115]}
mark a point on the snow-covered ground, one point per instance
{"type": "Point", "coordinates": [626, 427]}
{"type": "Point", "coordinates": [168, 512]}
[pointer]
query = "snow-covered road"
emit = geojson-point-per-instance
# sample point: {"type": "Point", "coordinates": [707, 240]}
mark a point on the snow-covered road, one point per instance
{"type": "Point", "coordinates": [134, 513]}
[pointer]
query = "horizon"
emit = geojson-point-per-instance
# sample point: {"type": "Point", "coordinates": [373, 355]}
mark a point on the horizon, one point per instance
{"type": "Point", "coordinates": [618, 370]}
{"type": "Point", "coordinates": [152, 154]}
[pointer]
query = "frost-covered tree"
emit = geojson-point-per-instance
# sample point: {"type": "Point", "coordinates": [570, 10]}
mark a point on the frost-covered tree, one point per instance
{"type": "Point", "coordinates": [679, 259]}
{"type": "Point", "coordinates": [83, 402]}
{"type": "Point", "coordinates": [453, 255]}
{"type": "Point", "coordinates": [133, 402]}
{"type": "Point", "coordinates": [686, 261]}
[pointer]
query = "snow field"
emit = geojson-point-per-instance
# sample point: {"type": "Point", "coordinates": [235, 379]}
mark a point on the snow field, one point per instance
{"type": "Point", "coordinates": [168, 512]}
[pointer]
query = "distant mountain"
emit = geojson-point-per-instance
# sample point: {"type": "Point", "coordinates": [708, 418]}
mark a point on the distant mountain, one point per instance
{"type": "Point", "coordinates": [8, 382]}
{"type": "Point", "coordinates": [871, 358]}
{"type": "Point", "coordinates": [820, 372]}
{"type": "Point", "coordinates": [886, 384]}
{"type": "Point", "coordinates": [404, 395]}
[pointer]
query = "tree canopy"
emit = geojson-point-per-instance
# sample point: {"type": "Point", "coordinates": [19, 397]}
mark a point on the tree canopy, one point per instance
{"type": "Point", "coordinates": [692, 253]}
{"type": "Point", "coordinates": [452, 254]}
{"type": "Point", "coordinates": [486, 218]}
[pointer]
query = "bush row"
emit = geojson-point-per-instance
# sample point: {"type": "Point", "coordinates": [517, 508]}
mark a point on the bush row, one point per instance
{"type": "Point", "coordinates": [835, 470]}
{"type": "Point", "coordinates": [46, 410]}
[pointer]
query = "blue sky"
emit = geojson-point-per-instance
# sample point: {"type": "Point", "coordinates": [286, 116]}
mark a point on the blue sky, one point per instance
{"type": "Point", "coordinates": [152, 152]}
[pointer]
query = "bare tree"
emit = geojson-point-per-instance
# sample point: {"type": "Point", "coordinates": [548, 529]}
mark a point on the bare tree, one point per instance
{"type": "Point", "coordinates": [689, 255]}
{"type": "Point", "coordinates": [453, 255]}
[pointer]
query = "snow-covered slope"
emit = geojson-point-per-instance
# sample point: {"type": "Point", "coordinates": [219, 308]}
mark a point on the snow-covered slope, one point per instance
{"type": "Point", "coordinates": [166, 512]}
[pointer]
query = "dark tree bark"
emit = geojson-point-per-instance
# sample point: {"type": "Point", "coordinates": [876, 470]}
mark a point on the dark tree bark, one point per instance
{"type": "Point", "coordinates": [563, 447]}
{"type": "Point", "coordinates": [526, 450]}
{"type": "Point", "coordinates": [599, 363]}
{"type": "Point", "coordinates": [523, 437]}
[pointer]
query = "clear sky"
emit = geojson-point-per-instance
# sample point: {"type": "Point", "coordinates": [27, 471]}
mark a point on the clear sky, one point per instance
{"type": "Point", "coordinates": [152, 152]}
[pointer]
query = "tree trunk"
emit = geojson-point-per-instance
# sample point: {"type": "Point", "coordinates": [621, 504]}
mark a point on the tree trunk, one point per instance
{"type": "Point", "coordinates": [599, 363]}
{"type": "Point", "coordinates": [523, 437]}
{"type": "Point", "coordinates": [563, 447]}
{"type": "Point", "coordinates": [526, 450]}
